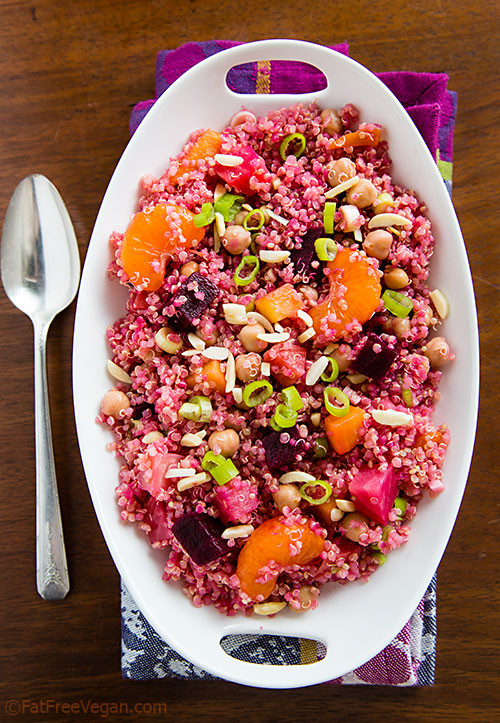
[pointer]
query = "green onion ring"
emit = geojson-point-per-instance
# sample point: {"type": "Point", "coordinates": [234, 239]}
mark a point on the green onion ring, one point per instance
{"type": "Point", "coordinates": [329, 216]}
{"type": "Point", "coordinates": [398, 304]}
{"type": "Point", "coordinates": [257, 392]}
{"type": "Point", "coordinates": [284, 416]}
{"type": "Point", "coordinates": [334, 366]}
{"type": "Point", "coordinates": [326, 248]}
{"type": "Point", "coordinates": [379, 557]}
{"type": "Point", "coordinates": [400, 504]}
{"type": "Point", "coordinates": [228, 205]}
{"type": "Point", "coordinates": [205, 406]}
{"type": "Point", "coordinates": [332, 394]}
{"type": "Point", "coordinates": [407, 397]}
{"type": "Point", "coordinates": [254, 264]}
{"type": "Point", "coordinates": [190, 411]}
{"type": "Point", "coordinates": [260, 222]}
{"type": "Point", "coordinates": [293, 138]}
{"type": "Point", "coordinates": [222, 470]}
{"type": "Point", "coordinates": [312, 500]}
{"type": "Point", "coordinates": [320, 447]}
{"type": "Point", "coordinates": [292, 398]}
{"type": "Point", "coordinates": [205, 217]}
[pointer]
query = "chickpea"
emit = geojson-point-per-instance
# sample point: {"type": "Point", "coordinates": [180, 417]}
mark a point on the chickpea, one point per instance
{"type": "Point", "coordinates": [240, 217]}
{"type": "Point", "coordinates": [354, 525]}
{"type": "Point", "coordinates": [331, 121]}
{"type": "Point", "coordinates": [437, 351]}
{"type": "Point", "coordinates": [400, 327]}
{"type": "Point", "coordinates": [226, 442]}
{"type": "Point", "coordinates": [248, 337]}
{"type": "Point", "coordinates": [340, 171]}
{"type": "Point", "coordinates": [395, 278]}
{"type": "Point", "coordinates": [114, 404]}
{"type": "Point", "coordinates": [287, 496]}
{"type": "Point", "coordinates": [236, 239]}
{"type": "Point", "coordinates": [363, 194]}
{"type": "Point", "coordinates": [309, 293]}
{"type": "Point", "coordinates": [378, 244]}
{"type": "Point", "coordinates": [247, 367]}
{"type": "Point", "coordinates": [210, 335]}
{"type": "Point", "coordinates": [189, 268]}
{"type": "Point", "coordinates": [428, 316]}
{"type": "Point", "coordinates": [307, 595]}
{"type": "Point", "coordinates": [342, 357]}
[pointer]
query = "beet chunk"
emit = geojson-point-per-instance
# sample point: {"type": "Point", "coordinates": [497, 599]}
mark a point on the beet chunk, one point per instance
{"type": "Point", "coordinates": [371, 363]}
{"type": "Point", "coordinates": [200, 537]}
{"type": "Point", "coordinates": [157, 519]}
{"type": "Point", "coordinates": [303, 258]}
{"type": "Point", "coordinates": [280, 455]}
{"type": "Point", "coordinates": [192, 307]}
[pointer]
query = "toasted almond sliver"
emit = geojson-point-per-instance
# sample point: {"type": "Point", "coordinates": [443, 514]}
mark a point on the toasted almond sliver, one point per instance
{"type": "Point", "coordinates": [274, 338]}
{"type": "Point", "coordinates": [247, 207]}
{"type": "Point", "coordinates": [118, 373]}
{"type": "Point", "coordinates": [190, 352]}
{"type": "Point", "coordinates": [180, 472]}
{"type": "Point", "coordinates": [231, 533]}
{"type": "Point", "coordinates": [216, 352]}
{"type": "Point", "coordinates": [217, 243]}
{"type": "Point", "coordinates": [235, 313]}
{"type": "Point", "coordinates": [191, 440]}
{"type": "Point", "coordinates": [331, 347]}
{"type": "Point", "coordinates": [392, 417]}
{"type": "Point", "coordinates": [278, 327]}
{"type": "Point", "coordinates": [238, 395]}
{"type": "Point", "coordinates": [305, 317]}
{"type": "Point", "coordinates": [296, 476]}
{"type": "Point", "coordinates": [358, 236]}
{"type": "Point", "coordinates": [336, 514]}
{"type": "Point", "coordinates": [265, 369]}
{"type": "Point", "coordinates": [189, 482]}
{"type": "Point", "coordinates": [152, 437]}
{"type": "Point", "coordinates": [260, 319]}
{"type": "Point", "coordinates": [440, 303]}
{"type": "Point", "coordinates": [228, 160]}
{"type": "Point", "coordinates": [270, 608]}
{"type": "Point", "coordinates": [316, 418]}
{"type": "Point", "coordinates": [357, 378]}
{"type": "Point", "coordinates": [220, 191]}
{"type": "Point", "coordinates": [382, 220]}
{"type": "Point", "coordinates": [274, 257]}
{"type": "Point", "coordinates": [306, 335]}
{"type": "Point", "coordinates": [316, 370]}
{"type": "Point", "coordinates": [345, 505]}
{"type": "Point", "coordinates": [220, 223]}
{"type": "Point", "coordinates": [278, 218]}
{"type": "Point", "coordinates": [341, 187]}
{"type": "Point", "coordinates": [230, 373]}
{"type": "Point", "coordinates": [196, 342]}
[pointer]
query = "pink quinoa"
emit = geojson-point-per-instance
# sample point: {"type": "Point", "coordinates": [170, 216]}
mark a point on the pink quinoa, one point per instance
{"type": "Point", "coordinates": [157, 436]}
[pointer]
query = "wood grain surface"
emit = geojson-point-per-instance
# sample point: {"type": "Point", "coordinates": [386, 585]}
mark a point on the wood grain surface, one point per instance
{"type": "Point", "coordinates": [70, 74]}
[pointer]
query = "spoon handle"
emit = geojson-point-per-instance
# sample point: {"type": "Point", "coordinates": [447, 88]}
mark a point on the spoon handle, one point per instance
{"type": "Point", "coordinates": [51, 568]}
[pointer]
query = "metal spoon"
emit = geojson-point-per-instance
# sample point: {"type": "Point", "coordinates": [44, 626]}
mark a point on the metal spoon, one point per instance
{"type": "Point", "coordinates": [40, 274]}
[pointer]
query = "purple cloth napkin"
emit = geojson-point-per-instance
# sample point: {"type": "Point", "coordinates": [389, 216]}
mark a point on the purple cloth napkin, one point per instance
{"type": "Point", "coordinates": [409, 659]}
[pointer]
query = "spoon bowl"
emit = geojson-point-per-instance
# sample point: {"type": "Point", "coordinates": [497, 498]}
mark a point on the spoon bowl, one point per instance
{"type": "Point", "coordinates": [40, 274]}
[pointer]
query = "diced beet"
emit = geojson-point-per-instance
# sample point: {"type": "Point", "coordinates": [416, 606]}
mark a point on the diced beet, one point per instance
{"type": "Point", "coordinates": [200, 537]}
{"type": "Point", "coordinates": [238, 177]}
{"type": "Point", "coordinates": [302, 259]}
{"type": "Point", "coordinates": [374, 492]}
{"type": "Point", "coordinates": [346, 547]}
{"type": "Point", "coordinates": [288, 362]}
{"type": "Point", "coordinates": [198, 293]}
{"type": "Point", "coordinates": [152, 471]}
{"type": "Point", "coordinates": [372, 363]}
{"type": "Point", "coordinates": [236, 500]}
{"type": "Point", "coordinates": [282, 455]}
{"type": "Point", "coordinates": [160, 528]}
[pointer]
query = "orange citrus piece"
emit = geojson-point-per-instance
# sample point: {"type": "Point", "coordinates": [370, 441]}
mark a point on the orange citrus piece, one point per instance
{"type": "Point", "coordinates": [354, 293]}
{"type": "Point", "coordinates": [344, 433]}
{"type": "Point", "coordinates": [151, 238]}
{"type": "Point", "coordinates": [271, 541]}
{"type": "Point", "coordinates": [207, 145]}
{"type": "Point", "coordinates": [213, 372]}
{"type": "Point", "coordinates": [282, 303]}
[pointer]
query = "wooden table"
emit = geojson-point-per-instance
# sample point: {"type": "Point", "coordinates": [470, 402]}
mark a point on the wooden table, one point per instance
{"type": "Point", "coordinates": [70, 74]}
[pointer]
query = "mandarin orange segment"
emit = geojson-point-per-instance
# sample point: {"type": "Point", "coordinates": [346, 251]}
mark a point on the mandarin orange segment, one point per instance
{"type": "Point", "coordinates": [273, 542]}
{"type": "Point", "coordinates": [354, 293]}
{"type": "Point", "coordinates": [344, 433]}
{"type": "Point", "coordinates": [151, 238]}
{"type": "Point", "coordinates": [207, 145]}
{"type": "Point", "coordinates": [212, 370]}
{"type": "Point", "coordinates": [282, 303]}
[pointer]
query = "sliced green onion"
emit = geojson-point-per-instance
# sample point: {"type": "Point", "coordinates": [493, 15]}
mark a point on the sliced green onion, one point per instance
{"type": "Point", "coordinates": [332, 370]}
{"type": "Point", "coordinates": [316, 500]}
{"type": "Point", "coordinates": [320, 447]}
{"type": "Point", "coordinates": [205, 407]}
{"type": "Point", "coordinates": [326, 249]}
{"type": "Point", "coordinates": [386, 531]}
{"type": "Point", "coordinates": [407, 397]}
{"type": "Point", "coordinates": [292, 398]}
{"type": "Point", "coordinates": [329, 216]}
{"type": "Point", "coordinates": [190, 411]}
{"type": "Point", "coordinates": [222, 470]}
{"type": "Point", "coordinates": [274, 425]}
{"type": "Point", "coordinates": [205, 217]}
{"type": "Point", "coordinates": [398, 304]}
{"type": "Point", "coordinates": [400, 504]}
{"type": "Point", "coordinates": [284, 416]}
{"type": "Point", "coordinates": [228, 205]}
{"type": "Point", "coordinates": [257, 392]}
{"type": "Point", "coordinates": [296, 140]}
{"type": "Point", "coordinates": [379, 557]}
{"type": "Point", "coordinates": [253, 263]}
{"type": "Point", "coordinates": [332, 395]}
{"type": "Point", "coordinates": [248, 220]}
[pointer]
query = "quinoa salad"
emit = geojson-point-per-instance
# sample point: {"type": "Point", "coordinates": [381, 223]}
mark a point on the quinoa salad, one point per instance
{"type": "Point", "coordinates": [276, 369]}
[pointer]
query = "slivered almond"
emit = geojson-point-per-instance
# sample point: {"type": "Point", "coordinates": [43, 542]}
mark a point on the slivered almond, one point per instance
{"type": "Point", "coordinates": [270, 608]}
{"type": "Point", "coordinates": [118, 373]}
{"type": "Point", "coordinates": [392, 417]}
{"type": "Point", "coordinates": [278, 218]}
{"type": "Point", "coordinates": [226, 159]}
{"type": "Point", "coordinates": [152, 437]}
{"type": "Point", "coordinates": [189, 482]}
{"type": "Point", "coordinates": [440, 303]}
{"type": "Point", "coordinates": [345, 505]}
{"type": "Point", "coordinates": [180, 472]}
{"type": "Point", "coordinates": [274, 338]}
{"type": "Point", "coordinates": [296, 476]}
{"type": "Point", "coordinates": [231, 533]}
{"type": "Point", "coordinates": [382, 220]}
{"type": "Point", "coordinates": [220, 223]}
{"type": "Point", "coordinates": [191, 440]}
{"type": "Point", "coordinates": [215, 352]}
{"type": "Point", "coordinates": [196, 342]}
{"type": "Point", "coordinates": [306, 335]}
{"type": "Point", "coordinates": [316, 370]}
{"type": "Point", "coordinates": [341, 187]}
{"type": "Point", "coordinates": [260, 319]}
{"type": "Point", "coordinates": [230, 373]}
{"type": "Point", "coordinates": [274, 257]}
{"type": "Point", "coordinates": [304, 316]}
